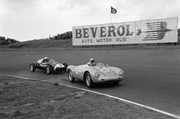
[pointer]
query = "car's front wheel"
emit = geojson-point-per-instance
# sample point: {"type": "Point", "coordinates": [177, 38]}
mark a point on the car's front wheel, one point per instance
{"type": "Point", "coordinates": [48, 70]}
{"type": "Point", "coordinates": [70, 76]}
{"type": "Point", "coordinates": [32, 67]}
{"type": "Point", "coordinates": [88, 80]}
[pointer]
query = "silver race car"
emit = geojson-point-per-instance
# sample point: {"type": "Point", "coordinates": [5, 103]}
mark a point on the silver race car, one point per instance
{"type": "Point", "coordinates": [95, 74]}
{"type": "Point", "coordinates": [49, 66]}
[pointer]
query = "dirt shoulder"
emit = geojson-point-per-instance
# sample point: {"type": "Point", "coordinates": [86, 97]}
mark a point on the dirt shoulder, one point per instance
{"type": "Point", "coordinates": [25, 99]}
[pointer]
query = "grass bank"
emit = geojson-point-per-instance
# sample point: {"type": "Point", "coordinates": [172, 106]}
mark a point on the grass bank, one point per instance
{"type": "Point", "coordinates": [67, 44]}
{"type": "Point", "coordinates": [24, 99]}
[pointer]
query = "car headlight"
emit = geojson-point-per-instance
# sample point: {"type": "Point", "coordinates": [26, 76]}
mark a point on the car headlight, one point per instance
{"type": "Point", "coordinates": [121, 73]}
{"type": "Point", "coordinates": [96, 75]}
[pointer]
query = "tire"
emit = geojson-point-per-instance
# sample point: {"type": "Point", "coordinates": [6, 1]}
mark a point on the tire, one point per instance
{"type": "Point", "coordinates": [70, 77]}
{"type": "Point", "coordinates": [65, 64]}
{"type": "Point", "coordinates": [89, 82]}
{"type": "Point", "coordinates": [32, 67]}
{"type": "Point", "coordinates": [48, 70]}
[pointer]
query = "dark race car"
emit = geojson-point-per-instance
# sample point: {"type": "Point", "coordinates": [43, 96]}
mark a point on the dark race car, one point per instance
{"type": "Point", "coordinates": [50, 66]}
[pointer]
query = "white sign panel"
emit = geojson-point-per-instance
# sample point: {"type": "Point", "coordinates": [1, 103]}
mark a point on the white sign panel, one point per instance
{"type": "Point", "coordinates": [135, 32]}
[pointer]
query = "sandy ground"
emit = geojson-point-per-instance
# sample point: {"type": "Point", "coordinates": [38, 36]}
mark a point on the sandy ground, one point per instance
{"type": "Point", "coordinates": [151, 75]}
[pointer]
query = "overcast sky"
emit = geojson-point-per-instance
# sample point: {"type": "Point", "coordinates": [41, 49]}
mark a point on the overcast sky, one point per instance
{"type": "Point", "coordinates": [33, 19]}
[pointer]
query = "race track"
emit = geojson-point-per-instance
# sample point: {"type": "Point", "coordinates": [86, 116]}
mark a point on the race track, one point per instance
{"type": "Point", "coordinates": [152, 77]}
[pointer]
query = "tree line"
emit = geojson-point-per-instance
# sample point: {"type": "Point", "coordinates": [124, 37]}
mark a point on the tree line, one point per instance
{"type": "Point", "coordinates": [62, 36]}
{"type": "Point", "coordinates": [7, 41]}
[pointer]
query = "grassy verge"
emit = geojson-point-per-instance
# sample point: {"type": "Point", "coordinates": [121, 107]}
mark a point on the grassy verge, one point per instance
{"type": "Point", "coordinates": [25, 99]}
{"type": "Point", "coordinates": [67, 45]}
{"type": "Point", "coordinates": [42, 44]}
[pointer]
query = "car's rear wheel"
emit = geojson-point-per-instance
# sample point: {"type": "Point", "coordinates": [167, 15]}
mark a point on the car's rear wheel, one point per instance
{"type": "Point", "coordinates": [70, 77]}
{"type": "Point", "coordinates": [88, 80]}
{"type": "Point", "coordinates": [32, 67]}
{"type": "Point", "coordinates": [48, 70]}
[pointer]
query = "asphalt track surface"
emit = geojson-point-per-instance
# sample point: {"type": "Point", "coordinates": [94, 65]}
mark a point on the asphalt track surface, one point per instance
{"type": "Point", "coordinates": [152, 77]}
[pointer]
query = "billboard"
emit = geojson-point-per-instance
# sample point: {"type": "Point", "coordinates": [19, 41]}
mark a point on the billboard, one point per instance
{"type": "Point", "coordinates": [134, 32]}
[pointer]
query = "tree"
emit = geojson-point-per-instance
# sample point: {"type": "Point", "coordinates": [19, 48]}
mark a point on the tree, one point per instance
{"type": "Point", "coordinates": [63, 36]}
{"type": "Point", "coordinates": [4, 41]}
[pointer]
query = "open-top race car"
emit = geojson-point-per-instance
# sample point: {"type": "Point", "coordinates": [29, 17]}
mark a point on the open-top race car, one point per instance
{"type": "Point", "coordinates": [49, 66]}
{"type": "Point", "coordinates": [98, 73]}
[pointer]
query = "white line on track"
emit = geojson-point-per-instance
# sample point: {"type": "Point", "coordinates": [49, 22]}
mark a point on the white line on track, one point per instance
{"type": "Point", "coordinates": [121, 99]}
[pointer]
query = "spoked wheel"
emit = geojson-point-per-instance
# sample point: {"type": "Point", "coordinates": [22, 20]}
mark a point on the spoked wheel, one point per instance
{"type": "Point", "coordinates": [88, 80]}
{"type": "Point", "coordinates": [48, 70]}
{"type": "Point", "coordinates": [70, 77]}
{"type": "Point", "coordinates": [32, 67]}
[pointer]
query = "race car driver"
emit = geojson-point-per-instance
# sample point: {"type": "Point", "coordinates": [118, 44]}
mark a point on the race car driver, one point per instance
{"type": "Point", "coordinates": [43, 60]}
{"type": "Point", "coordinates": [91, 62]}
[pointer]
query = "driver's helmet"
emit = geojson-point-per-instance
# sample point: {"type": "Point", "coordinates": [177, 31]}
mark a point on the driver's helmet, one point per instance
{"type": "Point", "coordinates": [92, 60]}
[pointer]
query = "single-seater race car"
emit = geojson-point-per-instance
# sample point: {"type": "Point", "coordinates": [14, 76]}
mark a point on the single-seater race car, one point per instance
{"type": "Point", "coordinates": [95, 74]}
{"type": "Point", "coordinates": [49, 66]}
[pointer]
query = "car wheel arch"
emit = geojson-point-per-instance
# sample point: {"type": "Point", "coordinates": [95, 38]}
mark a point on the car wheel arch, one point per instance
{"type": "Point", "coordinates": [84, 75]}
{"type": "Point", "coordinates": [68, 70]}
{"type": "Point", "coordinates": [70, 76]}
{"type": "Point", "coordinates": [88, 81]}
